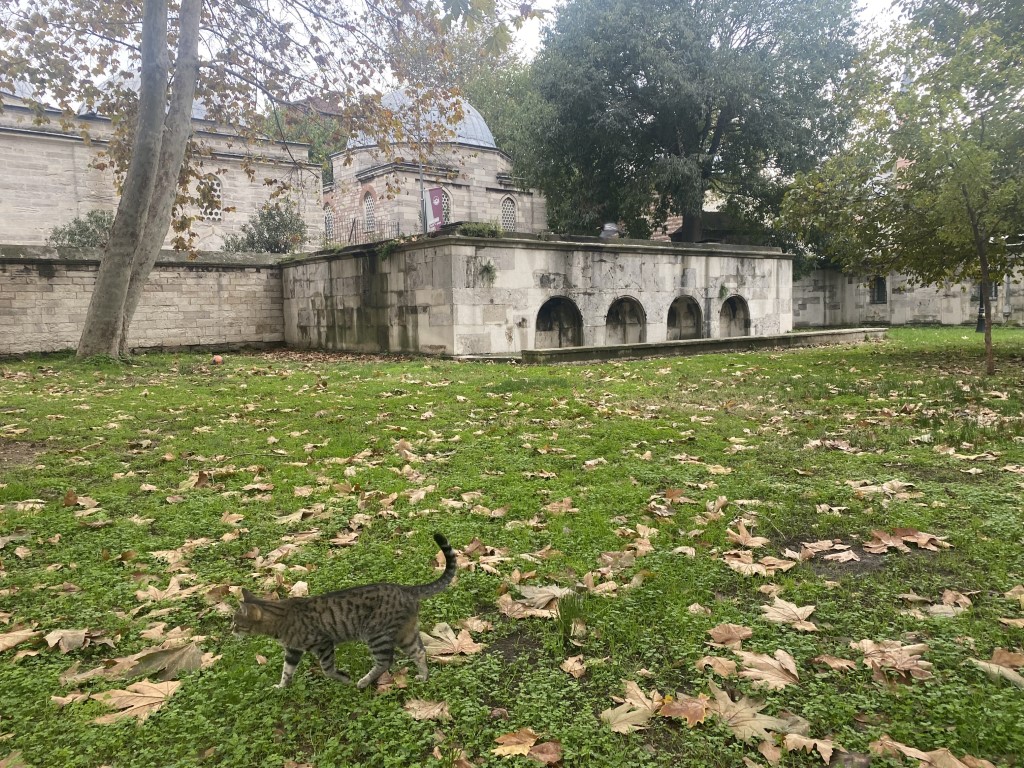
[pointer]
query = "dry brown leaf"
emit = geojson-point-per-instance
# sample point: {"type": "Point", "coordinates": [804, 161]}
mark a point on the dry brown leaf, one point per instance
{"type": "Point", "coordinates": [443, 645]}
{"type": "Point", "coordinates": [744, 538]}
{"type": "Point", "coordinates": [420, 709]}
{"type": "Point", "coordinates": [782, 612]}
{"type": "Point", "coordinates": [546, 753]}
{"type": "Point", "coordinates": [890, 656]}
{"type": "Point", "coordinates": [835, 663]}
{"type": "Point", "coordinates": [139, 700]}
{"type": "Point", "coordinates": [719, 665]}
{"type": "Point", "coordinates": [17, 635]}
{"type": "Point", "coordinates": [72, 698]}
{"type": "Point", "coordinates": [543, 598]}
{"type": "Point", "coordinates": [743, 717]}
{"type": "Point", "coordinates": [1012, 659]}
{"type": "Point", "coordinates": [1019, 623]}
{"type": "Point", "coordinates": [626, 718]}
{"type": "Point", "coordinates": [794, 743]}
{"type": "Point", "coordinates": [517, 743]}
{"type": "Point", "coordinates": [689, 708]}
{"type": "Point", "coordinates": [994, 671]}
{"type": "Point", "coordinates": [574, 666]}
{"type": "Point", "coordinates": [730, 635]}
{"type": "Point", "coordinates": [773, 672]}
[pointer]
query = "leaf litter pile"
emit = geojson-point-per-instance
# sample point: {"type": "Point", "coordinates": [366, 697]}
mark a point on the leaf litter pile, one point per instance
{"type": "Point", "coordinates": [798, 558]}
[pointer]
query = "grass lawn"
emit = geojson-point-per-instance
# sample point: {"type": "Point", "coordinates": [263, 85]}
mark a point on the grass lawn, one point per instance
{"type": "Point", "coordinates": [632, 506]}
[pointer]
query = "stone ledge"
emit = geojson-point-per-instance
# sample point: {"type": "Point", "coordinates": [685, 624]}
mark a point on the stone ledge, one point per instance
{"type": "Point", "coordinates": [700, 346]}
{"type": "Point", "coordinates": [47, 254]}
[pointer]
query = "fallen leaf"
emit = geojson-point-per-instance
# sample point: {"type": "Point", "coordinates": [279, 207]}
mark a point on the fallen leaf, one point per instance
{"type": "Point", "coordinates": [782, 612]}
{"type": "Point", "coordinates": [16, 636]}
{"type": "Point", "coordinates": [689, 708]}
{"type": "Point", "coordinates": [835, 663]}
{"type": "Point", "coordinates": [730, 635]}
{"type": "Point", "coordinates": [420, 709]}
{"type": "Point", "coordinates": [744, 538]}
{"type": "Point", "coordinates": [139, 700]}
{"type": "Point", "coordinates": [546, 753]}
{"type": "Point", "coordinates": [743, 717]}
{"type": "Point", "coordinates": [773, 672]}
{"type": "Point", "coordinates": [443, 645]}
{"type": "Point", "coordinates": [574, 666]}
{"type": "Point", "coordinates": [719, 665]}
{"type": "Point", "coordinates": [794, 743]}
{"type": "Point", "coordinates": [994, 670]}
{"type": "Point", "coordinates": [518, 743]}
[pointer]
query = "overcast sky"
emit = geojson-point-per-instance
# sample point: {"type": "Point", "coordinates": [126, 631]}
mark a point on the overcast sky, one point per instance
{"type": "Point", "coordinates": [527, 40]}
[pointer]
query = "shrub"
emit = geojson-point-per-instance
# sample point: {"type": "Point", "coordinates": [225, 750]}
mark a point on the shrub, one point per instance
{"type": "Point", "coordinates": [276, 227]}
{"type": "Point", "coordinates": [89, 231]}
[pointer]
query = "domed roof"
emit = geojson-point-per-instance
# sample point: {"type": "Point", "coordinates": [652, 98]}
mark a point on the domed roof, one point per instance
{"type": "Point", "coordinates": [471, 129]}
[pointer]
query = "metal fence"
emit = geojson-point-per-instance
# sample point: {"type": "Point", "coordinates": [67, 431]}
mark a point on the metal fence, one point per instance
{"type": "Point", "coordinates": [359, 232]}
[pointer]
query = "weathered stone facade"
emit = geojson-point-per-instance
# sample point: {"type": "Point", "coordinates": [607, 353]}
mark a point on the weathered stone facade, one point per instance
{"type": "Point", "coordinates": [828, 297]}
{"type": "Point", "coordinates": [479, 296]}
{"type": "Point", "coordinates": [48, 177]}
{"type": "Point", "coordinates": [217, 300]}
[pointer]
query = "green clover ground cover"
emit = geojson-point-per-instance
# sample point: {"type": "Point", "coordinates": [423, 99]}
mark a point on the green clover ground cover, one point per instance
{"type": "Point", "coordinates": [138, 498]}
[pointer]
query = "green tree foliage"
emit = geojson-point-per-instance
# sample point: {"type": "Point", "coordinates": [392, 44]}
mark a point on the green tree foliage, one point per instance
{"type": "Point", "coordinates": [276, 227]}
{"type": "Point", "coordinates": [655, 103]}
{"type": "Point", "coordinates": [89, 231]}
{"type": "Point", "coordinates": [316, 124]}
{"type": "Point", "coordinates": [931, 183]}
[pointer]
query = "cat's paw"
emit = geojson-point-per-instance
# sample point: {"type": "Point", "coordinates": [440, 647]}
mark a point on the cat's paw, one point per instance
{"type": "Point", "coordinates": [421, 676]}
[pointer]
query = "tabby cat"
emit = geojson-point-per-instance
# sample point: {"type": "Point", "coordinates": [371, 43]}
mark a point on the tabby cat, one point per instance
{"type": "Point", "coordinates": [384, 616]}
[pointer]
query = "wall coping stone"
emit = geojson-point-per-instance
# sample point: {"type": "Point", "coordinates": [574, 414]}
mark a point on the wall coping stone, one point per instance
{"type": "Point", "coordinates": [48, 254]}
{"type": "Point", "coordinates": [549, 242]}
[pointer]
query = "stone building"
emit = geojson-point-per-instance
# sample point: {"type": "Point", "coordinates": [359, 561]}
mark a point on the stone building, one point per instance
{"type": "Point", "coordinates": [49, 176]}
{"type": "Point", "coordinates": [376, 196]}
{"type": "Point", "coordinates": [830, 298]}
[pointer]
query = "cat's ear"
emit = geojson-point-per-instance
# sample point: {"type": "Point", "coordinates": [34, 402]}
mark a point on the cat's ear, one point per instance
{"type": "Point", "coordinates": [247, 596]}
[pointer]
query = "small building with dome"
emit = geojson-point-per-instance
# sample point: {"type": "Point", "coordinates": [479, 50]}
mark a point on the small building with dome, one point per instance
{"type": "Point", "coordinates": [376, 193]}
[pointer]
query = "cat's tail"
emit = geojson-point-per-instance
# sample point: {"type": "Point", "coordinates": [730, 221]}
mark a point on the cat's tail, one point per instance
{"type": "Point", "coordinates": [426, 590]}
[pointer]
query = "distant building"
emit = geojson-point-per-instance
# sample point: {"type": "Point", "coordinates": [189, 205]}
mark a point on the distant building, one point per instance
{"type": "Point", "coordinates": [48, 174]}
{"type": "Point", "coordinates": [376, 195]}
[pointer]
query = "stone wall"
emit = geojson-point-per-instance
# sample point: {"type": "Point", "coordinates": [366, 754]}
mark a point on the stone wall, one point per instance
{"type": "Point", "coordinates": [219, 300]}
{"type": "Point", "coordinates": [478, 296]}
{"type": "Point", "coordinates": [827, 297]}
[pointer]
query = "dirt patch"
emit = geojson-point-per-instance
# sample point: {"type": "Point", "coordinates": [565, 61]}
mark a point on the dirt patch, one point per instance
{"type": "Point", "coordinates": [18, 453]}
{"type": "Point", "coordinates": [517, 646]}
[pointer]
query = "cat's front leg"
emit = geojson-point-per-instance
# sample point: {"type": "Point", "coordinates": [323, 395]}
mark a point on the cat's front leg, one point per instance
{"type": "Point", "coordinates": [292, 656]}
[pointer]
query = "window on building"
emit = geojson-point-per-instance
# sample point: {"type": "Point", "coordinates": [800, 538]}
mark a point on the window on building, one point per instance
{"type": "Point", "coordinates": [211, 197]}
{"type": "Point", "coordinates": [369, 212]}
{"type": "Point", "coordinates": [508, 214]}
{"type": "Point", "coordinates": [446, 207]}
{"type": "Point", "coordinates": [879, 292]}
{"type": "Point", "coordinates": [329, 234]}
{"type": "Point", "coordinates": [993, 291]}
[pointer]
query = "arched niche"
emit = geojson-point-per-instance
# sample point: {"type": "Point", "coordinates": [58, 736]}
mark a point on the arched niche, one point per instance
{"type": "Point", "coordinates": [684, 319]}
{"type": "Point", "coordinates": [734, 319]}
{"type": "Point", "coordinates": [559, 324]}
{"type": "Point", "coordinates": [626, 322]}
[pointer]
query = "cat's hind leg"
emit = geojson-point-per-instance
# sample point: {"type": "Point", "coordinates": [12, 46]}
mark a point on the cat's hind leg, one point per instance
{"type": "Point", "coordinates": [292, 657]}
{"type": "Point", "coordinates": [412, 646]}
{"type": "Point", "coordinates": [325, 653]}
{"type": "Point", "coordinates": [383, 651]}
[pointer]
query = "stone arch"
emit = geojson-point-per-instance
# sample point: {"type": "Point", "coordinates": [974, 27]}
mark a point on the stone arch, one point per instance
{"type": "Point", "coordinates": [559, 324]}
{"type": "Point", "coordinates": [734, 319]}
{"type": "Point", "coordinates": [684, 319]}
{"type": "Point", "coordinates": [626, 322]}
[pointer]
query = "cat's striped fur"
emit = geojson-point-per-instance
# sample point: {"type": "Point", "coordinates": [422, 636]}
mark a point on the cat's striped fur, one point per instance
{"type": "Point", "coordinates": [384, 616]}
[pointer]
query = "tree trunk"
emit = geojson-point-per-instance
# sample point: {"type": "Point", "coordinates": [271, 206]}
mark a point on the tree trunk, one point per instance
{"type": "Point", "coordinates": [102, 331]}
{"type": "Point", "coordinates": [986, 299]}
{"type": "Point", "coordinates": [177, 129]}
